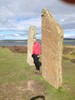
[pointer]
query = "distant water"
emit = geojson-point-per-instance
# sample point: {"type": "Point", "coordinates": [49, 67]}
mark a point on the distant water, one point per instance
{"type": "Point", "coordinates": [24, 42]}
{"type": "Point", "coordinates": [13, 43]}
{"type": "Point", "coordinates": [69, 42]}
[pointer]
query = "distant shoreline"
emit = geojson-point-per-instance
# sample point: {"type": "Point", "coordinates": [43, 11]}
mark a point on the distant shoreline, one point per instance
{"type": "Point", "coordinates": [14, 42]}
{"type": "Point", "coordinates": [24, 42]}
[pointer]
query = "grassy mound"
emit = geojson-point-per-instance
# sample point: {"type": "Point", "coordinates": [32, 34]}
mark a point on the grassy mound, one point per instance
{"type": "Point", "coordinates": [18, 49]}
{"type": "Point", "coordinates": [67, 50]}
{"type": "Point", "coordinates": [73, 53]}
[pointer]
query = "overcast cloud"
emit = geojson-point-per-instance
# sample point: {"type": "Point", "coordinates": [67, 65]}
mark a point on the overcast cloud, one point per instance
{"type": "Point", "coordinates": [21, 14]}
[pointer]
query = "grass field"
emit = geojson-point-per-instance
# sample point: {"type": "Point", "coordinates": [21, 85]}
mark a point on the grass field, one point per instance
{"type": "Point", "coordinates": [18, 82]}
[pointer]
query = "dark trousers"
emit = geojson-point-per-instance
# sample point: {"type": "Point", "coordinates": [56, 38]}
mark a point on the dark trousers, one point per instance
{"type": "Point", "coordinates": [36, 61]}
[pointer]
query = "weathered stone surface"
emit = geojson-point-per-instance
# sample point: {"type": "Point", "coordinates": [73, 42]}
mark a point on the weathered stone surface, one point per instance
{"type": "Point", "coordinates": [52, 46]}
{"type": "Point", "coordinates": [31, 35]}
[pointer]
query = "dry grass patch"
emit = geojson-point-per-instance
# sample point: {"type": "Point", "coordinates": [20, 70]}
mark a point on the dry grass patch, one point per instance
{"type": "Point", "coordinates": [20, 90]}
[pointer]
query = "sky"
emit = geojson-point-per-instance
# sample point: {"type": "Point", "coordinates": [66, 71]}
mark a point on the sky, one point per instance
{"type": "Point", "coordinates": [17, 16]}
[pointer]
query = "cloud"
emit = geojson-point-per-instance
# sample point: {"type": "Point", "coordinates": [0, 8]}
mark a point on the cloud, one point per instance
{"type": "Point", "coordinates": [72, 35]}
{"type": "Point", "coordinates": [25, 24]}
{"type": "Point", "coordinates": [10, 11]}
{"type": "Point", "coordinates": [68, 26]}
{"type": "Point", "coordinates": [21, 14]}
{"type": "Point", "coordinates": [14, 24]}
{"type": "Point", "coordinates": [69, 33]}
{"type": "Point", "coordinates": [8, 35]}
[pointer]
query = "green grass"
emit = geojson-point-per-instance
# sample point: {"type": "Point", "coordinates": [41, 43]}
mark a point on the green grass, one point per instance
{"type": "Point", "coordinates": [15, 74]}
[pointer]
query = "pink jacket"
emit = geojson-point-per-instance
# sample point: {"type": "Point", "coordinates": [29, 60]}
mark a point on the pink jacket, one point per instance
{"type": "Point", "coordinates": [36, 48]}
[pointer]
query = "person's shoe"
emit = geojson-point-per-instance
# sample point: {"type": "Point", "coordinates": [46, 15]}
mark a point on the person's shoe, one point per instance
{"type": "Point", "coordinates": [38, 71]}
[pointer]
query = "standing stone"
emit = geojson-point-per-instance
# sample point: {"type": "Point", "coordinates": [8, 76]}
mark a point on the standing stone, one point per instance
{"type": "Point", "coordinates": [31, 35]}
{"type": "Point", "coordinates": [52, 46]}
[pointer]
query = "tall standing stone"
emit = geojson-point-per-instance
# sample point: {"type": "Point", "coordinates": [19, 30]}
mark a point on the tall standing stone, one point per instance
{"type": "Point", "coordinates": [52, 46]}
{"type": "Point", "coordinates": [31, 35]}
